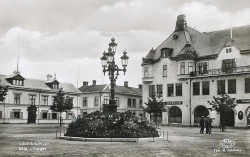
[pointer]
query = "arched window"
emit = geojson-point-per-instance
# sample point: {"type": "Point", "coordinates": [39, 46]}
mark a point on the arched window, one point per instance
{"type": "Point", "coordinates": [200, 111]}
{"type": "Point", "coordinates": [175, 115]}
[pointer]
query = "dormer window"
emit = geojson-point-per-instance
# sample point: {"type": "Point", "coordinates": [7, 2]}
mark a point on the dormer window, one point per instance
{"type": "Point", "coordinates": [165, 52]}
{"type": "Point", "coordinates": [55, 86]}
{"type": "Point", "coordinates": [228, 50]}
{"type": "Point", "coordinates": [17, 82]}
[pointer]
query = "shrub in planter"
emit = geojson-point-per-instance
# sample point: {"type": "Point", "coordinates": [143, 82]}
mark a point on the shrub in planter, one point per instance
{"type": "Point", "coordinates": [102, 125]}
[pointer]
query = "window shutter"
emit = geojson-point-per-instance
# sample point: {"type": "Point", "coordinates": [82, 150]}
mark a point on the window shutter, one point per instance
{"type": "Point", "coordinates": [0, 114]}
{"type": "Point", "coordinates": [11, 115]}
{"type": "Point", "coordinates": [21, 115]}
{"type": "Point", "coordinates": [49, 115]}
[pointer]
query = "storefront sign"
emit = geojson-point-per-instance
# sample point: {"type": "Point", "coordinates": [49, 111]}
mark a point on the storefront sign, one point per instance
{"type": "Point", "coordinates": [243, 101]}
{"type": "Point", "coordinates": [173, 103]}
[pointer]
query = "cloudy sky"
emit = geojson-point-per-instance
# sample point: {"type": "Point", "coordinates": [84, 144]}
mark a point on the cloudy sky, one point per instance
{"type": "Point", "coordinates": [64, 37]}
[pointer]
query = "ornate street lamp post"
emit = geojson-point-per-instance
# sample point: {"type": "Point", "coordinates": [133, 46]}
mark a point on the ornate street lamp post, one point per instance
{"type": "Point", "coordinates": [108, 64]}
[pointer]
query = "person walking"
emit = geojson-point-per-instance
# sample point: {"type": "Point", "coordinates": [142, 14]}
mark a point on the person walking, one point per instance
{"type": "Point", "coordinates": [210, 124]}
{"type": "Point", "coordinates": [202, 125]}
{"type": "Point", "coordinates": [207, 125]}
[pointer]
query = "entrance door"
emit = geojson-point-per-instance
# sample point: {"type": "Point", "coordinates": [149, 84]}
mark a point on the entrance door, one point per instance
{"type": "Point", "coordinates": [31, 114]}
{"type": "Point", "coordinates": [199, 112]}
{"type": "Point", "coordinates": [230, 118]}
{"type": "Point", "coordinates": [248, 117]}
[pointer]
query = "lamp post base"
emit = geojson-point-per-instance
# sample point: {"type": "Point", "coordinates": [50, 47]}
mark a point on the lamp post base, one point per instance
{"type": "Point", "coordinates": [111, 107]}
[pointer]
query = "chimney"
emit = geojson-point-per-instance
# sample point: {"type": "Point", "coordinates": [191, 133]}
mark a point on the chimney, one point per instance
{"type": "Point", "coordinates": [180, 23]}
{"type": "Point", "coordinates": [49, 77]}
{"type": "Point", "coordinates": [85, 83]}
{"type": "Point", "coordinates": [125, 83]}
{"type": "Point", "coordinates": [140, 86]}
{"type": "Point", "coordinates": [94, 82]}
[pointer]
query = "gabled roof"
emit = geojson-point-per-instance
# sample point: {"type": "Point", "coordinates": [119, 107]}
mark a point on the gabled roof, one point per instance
{"type": "Point", "coordinates": [106, 88]}
{"type": "Point", "coordinates": [38, 84]}
{"type": "Point", "coordinates": [204, 44]}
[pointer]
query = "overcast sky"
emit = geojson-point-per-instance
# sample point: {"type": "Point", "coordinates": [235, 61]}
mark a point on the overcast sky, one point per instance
{"type": "Point", "coordinates": [62, 36]}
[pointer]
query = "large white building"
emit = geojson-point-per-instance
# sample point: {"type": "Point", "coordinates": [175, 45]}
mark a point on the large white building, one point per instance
{"type": "Point", "coordinates": [24, 92]}
{"type": "Point", "coordinates": [190, 67]}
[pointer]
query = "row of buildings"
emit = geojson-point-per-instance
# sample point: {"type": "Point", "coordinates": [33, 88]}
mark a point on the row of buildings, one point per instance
{"type": "Point", "coordinates": [24, 92]}
{"type": "Point", "coordinates": [186, 70]}
{"type": "Point", "coordinates": [190, 67]}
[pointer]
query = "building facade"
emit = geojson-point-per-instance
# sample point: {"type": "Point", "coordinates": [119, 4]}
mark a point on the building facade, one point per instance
{"type": "Point", "coordinates": [24, 92]}
{"type": "Point", "coordinates": [190, 67]}
{"type": "Point", "coordinates": [94, 96]}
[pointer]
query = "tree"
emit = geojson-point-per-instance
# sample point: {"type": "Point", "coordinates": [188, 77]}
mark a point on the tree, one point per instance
{"type": "Point", "coordinates": [155, 106]}
{"type": "Point", "coordinates": [3, 92]}
{"type": "Point", "coordinates": [222, 105]}
{"type": "Point", "coordinates": [61, 103]}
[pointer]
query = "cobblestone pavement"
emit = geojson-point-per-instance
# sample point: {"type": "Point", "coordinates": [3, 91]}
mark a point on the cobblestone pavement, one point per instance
{"type": "Point", "coordinates": [40, 140]}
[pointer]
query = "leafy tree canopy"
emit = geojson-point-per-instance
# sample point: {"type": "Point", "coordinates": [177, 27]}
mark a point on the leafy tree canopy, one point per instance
{"type": "Point", "coordinates": [3, 92]}
{"type": "Point", "coordinates": [223, 103]}
{"type": "Point", "coordinates": [154, 105]}
{"type": "Point", "coordinates": [61, 103]}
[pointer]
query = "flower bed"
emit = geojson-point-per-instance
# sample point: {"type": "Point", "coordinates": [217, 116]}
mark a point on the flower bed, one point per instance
{"type": "Point", "coordinates": [117, 125]}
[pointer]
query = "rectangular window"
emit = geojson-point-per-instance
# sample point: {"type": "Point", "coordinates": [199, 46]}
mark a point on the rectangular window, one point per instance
{"type": "Point", "coordinates": [45, 115]}
{"type": "Point", "coordinates": [1, 116]}
{"type": "Point", "coordinates": [96, 103]}
{"type": "Point", "coordinates": [17, 99]}
{"type": "Point", "coordinates": [129, 102]}
{"type": "Point", "coordinates": [221, 86]}
{"type": "Point", "coordinates": [151, 91]}
{"type": "Point", "coordinates": [159, 90]}
{"type": "Point", "coordinates": [85, 101]}
{"type": "Point", "coordinates": [17, 115]}
{"type": "Point", "coordinates": [178, 88]}
{"type": "Point", "coordinates": [140, 103]}
{"type": "Point", "coordinates": [170, 89]}
{"type": "Point", "coordinates": [190, 67]}
{"type": "Point", "coordinates": [203, 68]}
{"type": "Point", "coordinates": [134, 103]}
{"type": "Point", "coordinates": [45, 100]}
{"type": "Point", "coordinates": [106, 100]}
{"type": "Point", "coordinates": [232, 86]}
{"type": "Point", "coordinates": [205, 88]}
{"type": "Point", "coordinates": [55, 86]}
{"type": "Point", "coordinates": [182, 68]}
{"type": "Point", "coordinates": [54, 115]}
{"type": "Point", "coordinates": [227, 65]}
{"type": "Point", "coordinates": [18, 82]}
{"type": "Point", "coordinates": [145, 72]}
{"type": "Point", "coordinates": [164, 53]}
{"type": "Point", "coordinates": [196, 88]}
{"type": "Point", "coordinates": [71, 100]}
{"type": "Point", "coordinates": [164, 70]}
{"type": "Point", "coordinates": [247, 85]}
{"type": "Point", "coordinates": [117, 101]}
{"type": "Point", "coordinates": [32, 99]}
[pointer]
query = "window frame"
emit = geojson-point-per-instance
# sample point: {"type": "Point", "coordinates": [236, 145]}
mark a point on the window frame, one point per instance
{"type": "Point", "coordinates": [196, 88]}
{"type": "Point", "coordinates": [129, 102]}
{"type": "Point", "coordinates": [159, 90]}
{"type": "Point", "coordinates": [17, 100]}
{"type": "Point", "coordinates": [204, 89]}
{"type": "Point", "coordinates": [182, 68]}
{"type": "Point", "coordinates": [247, 85]}
{"type": "Point", "coordinates": [169, 87]}
{"type": "Point", "coordinates": [45, 100]}
{"type": "Point", "coordinates": [220, 86]}
{"type": "Point", "coordinates": [145, 72]}
{"type": "Point", "coordinates": [178, 89]}
{"type": "Point", "coordinates": [151, 91]}
{"type": "Point", "coordinates": [164, 73]}
{"type": "Point", "coordinates": [32, 99]}
{"type": "Point", "coordinates": [85, 101]}
{"type": "Point", "coordinates": [231, 86]}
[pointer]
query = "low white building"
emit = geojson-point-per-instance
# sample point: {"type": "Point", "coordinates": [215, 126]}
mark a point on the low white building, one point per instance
{"type": "Point", "coordinates": [189, 68]}
{"type": "Point", "coordinates": [24, 92]}
{"type": "Point", "coordinates": [94, 96]}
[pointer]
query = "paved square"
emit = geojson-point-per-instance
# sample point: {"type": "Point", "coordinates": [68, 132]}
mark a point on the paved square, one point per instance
{"type": "Point", "coordinates": [40, 140]}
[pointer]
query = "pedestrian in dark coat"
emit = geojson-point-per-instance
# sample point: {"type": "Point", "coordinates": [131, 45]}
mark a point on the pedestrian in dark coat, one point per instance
{"type": "Point", "coordinates": [207, 126]}
{"type": "Point", "coordinates": [202, 125]}
{"type": "Point", "coordinates": [210, 124]}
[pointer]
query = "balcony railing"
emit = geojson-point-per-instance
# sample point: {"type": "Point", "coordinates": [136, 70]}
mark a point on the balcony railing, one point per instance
{"type": "Point", "coordinates": [222, 71]}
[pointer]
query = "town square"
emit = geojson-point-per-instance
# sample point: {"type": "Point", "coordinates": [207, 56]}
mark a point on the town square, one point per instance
{"type": "Point", "coordinates": [125, 78]}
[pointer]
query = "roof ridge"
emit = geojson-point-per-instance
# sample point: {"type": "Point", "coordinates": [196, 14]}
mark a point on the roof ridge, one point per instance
{"type": "Point", "coordinates": [226, 29]}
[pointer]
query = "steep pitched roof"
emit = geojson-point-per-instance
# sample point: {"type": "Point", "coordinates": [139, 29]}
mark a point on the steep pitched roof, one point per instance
{"type": "Point", "coordinates": [204, 44]}
{"type": "Point", "coordinates": [38, 84]}
{"type": "Point", "coordinates": [106, 88]}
